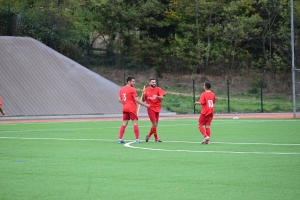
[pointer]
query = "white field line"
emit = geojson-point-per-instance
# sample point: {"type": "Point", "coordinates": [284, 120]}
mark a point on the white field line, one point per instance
{"type": "Point", "coordinates": [215, 121]}
{"type": "Point", "coordinates": [129, 125]}
{"type": "Point", "coordinates": [169, 150]}
{"type": "Point", "coordinates": [108, 140]}
{"type": "Point", "coordinates": [237, 143]}
{"type": "Point", "coordinates": [61, 139]}
{"type": "Point", "coordinates": [199, 151]}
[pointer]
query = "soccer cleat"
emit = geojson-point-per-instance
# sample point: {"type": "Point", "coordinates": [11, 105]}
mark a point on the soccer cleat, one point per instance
{"type": "Point", "coordinates": [137, 141]}
{"type": "Point", "coordinates": [207, 142]}
{"type": "Point", "coordinates": [147, 138]}
{"type": "Point", "coordinates": [120, 141]}
{"type": "Point", "coordinates": [158, 140]}
{"type": "Point", "coordinates": [206, 139]}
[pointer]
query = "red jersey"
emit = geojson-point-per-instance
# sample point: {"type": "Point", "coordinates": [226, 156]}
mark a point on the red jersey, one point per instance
{"type": "Point", "coordinates": [207, 100]}
{"type": "Point", "coordinates": [151, 98]}
{"type": "Point", "coordinates": [0, 101]}
{"type": "Point", "coordinates": [127, 94]}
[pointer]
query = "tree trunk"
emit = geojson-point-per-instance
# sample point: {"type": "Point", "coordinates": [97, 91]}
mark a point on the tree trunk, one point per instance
{"type": "Point", "coordinates": [208, 42]}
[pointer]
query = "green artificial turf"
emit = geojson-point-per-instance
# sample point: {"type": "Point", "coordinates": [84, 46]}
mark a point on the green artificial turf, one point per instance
{"type": "Point", "coordinates": [247, 159]}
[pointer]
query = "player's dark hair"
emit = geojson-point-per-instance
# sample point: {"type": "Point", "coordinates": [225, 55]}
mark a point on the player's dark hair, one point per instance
{"type": "Point", "coordinates": [151, 79]}
{"type": "Point", "coordinates": [130, 78]}
{"type": "Point", "coordinates": [207, 84]}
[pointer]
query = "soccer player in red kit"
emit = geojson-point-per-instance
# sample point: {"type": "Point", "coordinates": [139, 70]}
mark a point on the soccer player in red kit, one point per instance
{"type": "Point", "coordinates": [207, 100]}
{"type": "Point", "coordinates": [1, 109]}
{"type": "Point", "coordinates": [128, 97]}
{"type": "Point", "coordinates": [153, 96]}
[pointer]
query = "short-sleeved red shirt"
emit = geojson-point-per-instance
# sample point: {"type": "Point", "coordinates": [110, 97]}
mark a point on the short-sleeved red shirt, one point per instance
{"type": "Point", "coordinates": [151, 98]}
{"type": "Point", "coordinates": [0, 101]}
{"type": "Point", "coordinates": [207, 100]}
{"type": "Point", "coordinates": [127, 94]}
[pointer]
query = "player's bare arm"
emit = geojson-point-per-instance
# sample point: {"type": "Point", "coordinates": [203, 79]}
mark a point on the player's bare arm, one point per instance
{"type": "Point", "coordinates": [141, 103]}
{"type": "Point", "coordinates": [120, 100]}
{"type": "Point", "coordinates": [2, 111]}
{"type": "Point", "coordinates": [197, 103]}
{"type": "Point", "coordinates": [143, 96]}
{"type": "Point", "coordinates": [160, 97]}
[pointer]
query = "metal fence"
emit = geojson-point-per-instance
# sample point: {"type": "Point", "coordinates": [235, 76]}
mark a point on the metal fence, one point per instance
{"type": "Point", "coordinates": [238, 95]}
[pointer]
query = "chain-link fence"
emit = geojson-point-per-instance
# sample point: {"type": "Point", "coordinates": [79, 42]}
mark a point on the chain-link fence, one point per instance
{"type": "Point", "coordinates": [297, 89]}
{"type": "Point", "coordinates": [236, 96]}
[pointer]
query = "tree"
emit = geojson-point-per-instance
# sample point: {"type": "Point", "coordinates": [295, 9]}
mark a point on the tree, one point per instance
{"type": "Point", "coordinates": [274, 22]}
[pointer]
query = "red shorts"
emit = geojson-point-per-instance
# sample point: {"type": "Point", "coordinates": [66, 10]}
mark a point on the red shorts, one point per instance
{"type": "Point", "coordinates": [205, 120]}
{"type": "Point", "coordinates": [129, 116]}
{"type": "Point", "coordinates": [154, 116]}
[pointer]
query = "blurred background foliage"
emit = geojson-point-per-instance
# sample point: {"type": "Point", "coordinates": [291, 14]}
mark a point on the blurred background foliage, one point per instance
{"type": "Point", "coordinates": [171, 36]}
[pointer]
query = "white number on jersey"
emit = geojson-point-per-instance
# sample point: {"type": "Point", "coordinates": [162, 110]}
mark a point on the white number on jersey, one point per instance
{"type": "Point", "coordinates": [210, 104]}
{"type": "Point", "coordinates": [124, 96]}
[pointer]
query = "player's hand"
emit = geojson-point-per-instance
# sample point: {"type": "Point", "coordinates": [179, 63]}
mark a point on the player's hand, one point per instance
{"type": "Point", "coordinates": [196, 103]}
{"type": "Point", "coordinates": [3, 113]}
{"type": "Point", "coordinates": [147, 105]}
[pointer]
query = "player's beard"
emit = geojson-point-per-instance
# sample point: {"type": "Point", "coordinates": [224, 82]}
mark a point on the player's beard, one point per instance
{"type": "Point", "coordinates": [153, 85]}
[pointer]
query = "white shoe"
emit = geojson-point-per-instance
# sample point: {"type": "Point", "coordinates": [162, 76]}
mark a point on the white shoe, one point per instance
{"type": "Point", "coordinates": [206, 139]}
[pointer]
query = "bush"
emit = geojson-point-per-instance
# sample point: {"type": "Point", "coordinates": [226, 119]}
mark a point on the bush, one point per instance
{"type": "Point", "coordinates": [253, 91]}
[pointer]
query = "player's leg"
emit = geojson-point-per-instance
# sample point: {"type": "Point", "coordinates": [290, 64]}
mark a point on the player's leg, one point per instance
{"type": "Point", "coordinates": [207, 127]}
{"type": "Point", "coordinates": [202, 127]}
{"type": "Point", "coordinates": [151, 115]}
{"type": "Point", "coordinates": [155, 124]}
{"type": "Point", "coordinates": [134, 119]}
{"type": "Point", "coordinates": [206, 137]}
{"type": "Point", "coordinates": [123, 127]}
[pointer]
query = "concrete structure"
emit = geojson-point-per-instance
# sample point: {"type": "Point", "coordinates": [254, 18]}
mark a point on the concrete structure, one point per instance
{"type": "Point", "coordinates": [35, 80]}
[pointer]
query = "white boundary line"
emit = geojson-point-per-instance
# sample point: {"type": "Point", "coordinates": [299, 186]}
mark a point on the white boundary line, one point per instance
{"type": "Point", "coordinates": [61, 139]}
{"type": "Point", "coordinates": [130, 125]}
{"type": "Point", "coordinates": [108, 140]}
{"type": "Point", "coordinates": [223, 152]}
{"type": "Point", "coordinates": [237, 143]}
{"type": "Point", "coordinates": [175, 150]}
{"type": "Point", "coordinates": [216, 120]}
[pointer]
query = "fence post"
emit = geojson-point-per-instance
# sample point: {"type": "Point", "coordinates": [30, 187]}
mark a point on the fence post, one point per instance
{"type": "Point", "coordinates": [194, 96]}
{"type": "Point", "coordinates": [261, 95]}
{"type": "Point", "coordinates": [156, 78]}
{"type": "Point", "coordinates": [228, 96]}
